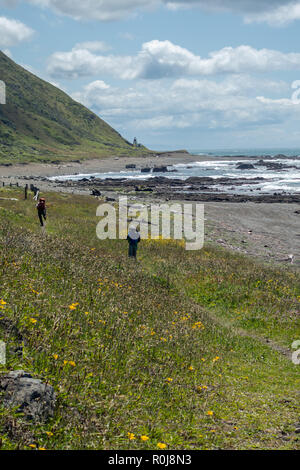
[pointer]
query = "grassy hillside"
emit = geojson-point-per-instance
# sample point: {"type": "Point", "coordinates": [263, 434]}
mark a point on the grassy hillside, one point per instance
{"type": "Point", "coordinates": [184, 349]}
{"type": "Point", "coordinates": [42, 123]}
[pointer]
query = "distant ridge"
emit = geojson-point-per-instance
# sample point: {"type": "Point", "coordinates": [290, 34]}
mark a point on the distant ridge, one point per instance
{"type": "Point", "coordinates": [39, 122]}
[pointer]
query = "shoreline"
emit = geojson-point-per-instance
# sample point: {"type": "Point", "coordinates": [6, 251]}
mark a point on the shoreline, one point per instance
{"type": "Point", "coordinates": [101, 165]}
{"type": "Point", "coordinates": [111, 164]}
{"type": "Point", "coordinates": [268, 229]}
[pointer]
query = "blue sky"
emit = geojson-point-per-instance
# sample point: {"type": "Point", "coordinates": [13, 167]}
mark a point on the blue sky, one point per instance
{"type": "Point", "coordinates": [181, 74]}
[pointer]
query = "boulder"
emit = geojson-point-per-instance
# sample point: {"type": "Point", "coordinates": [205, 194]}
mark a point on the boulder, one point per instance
{"type": "Point", "coordinates": [145, 170]}
{"type": "Point", "coordinates": [95, 192]}
{"type": "Point", "coordinates": [131, 166]}
{"type": "Point", "coordinates": [30, 396]}
{"type": "Point", "coordinates": [245, 166]}
{"type": "Point", "coordinates": [160, 169]}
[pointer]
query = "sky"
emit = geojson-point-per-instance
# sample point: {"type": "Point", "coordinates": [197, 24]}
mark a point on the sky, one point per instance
{"type": "Point", "coordinates": [190, 74]}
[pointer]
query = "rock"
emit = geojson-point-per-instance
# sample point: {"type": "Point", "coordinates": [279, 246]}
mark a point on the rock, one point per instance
{"type": "Point", "coordinates": [139, 189]}
{"type": "Point", "coordinates": [30, 396]}
{"type": "Point", "coordinates": [160, 169]}
{"type": "Point", "coordinates": [95, 192]}
{"type": "Point", "coordinates": [245, 166]}
{"type": "Point", "coordinates": [130, 166]}
{"type": "Point", "coordinates": [145, 170]}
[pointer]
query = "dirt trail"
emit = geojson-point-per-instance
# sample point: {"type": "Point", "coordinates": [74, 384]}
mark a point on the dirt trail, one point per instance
{"type": "Point", "coordinates": [246, 334]}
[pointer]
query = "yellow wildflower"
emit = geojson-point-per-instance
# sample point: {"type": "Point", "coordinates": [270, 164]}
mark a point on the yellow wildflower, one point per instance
{"type": "Point", "coordinates": [131, 436]}
{"type": "Point", "coordinates": [161, 445]}
{"type": "Point", "coordinates": [144, 438]}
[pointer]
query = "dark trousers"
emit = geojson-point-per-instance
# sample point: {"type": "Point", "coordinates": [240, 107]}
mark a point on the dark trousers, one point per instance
{"type": "Point", "coordinates": [132, 251]}
{"type": "Point", "coordinates": [42, 214]}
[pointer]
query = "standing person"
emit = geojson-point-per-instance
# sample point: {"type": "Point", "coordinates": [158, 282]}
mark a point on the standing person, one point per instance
{"type": "Point", "coordinates": [41, 208]}
{"type": "Point", "coordinates": [133, 239]}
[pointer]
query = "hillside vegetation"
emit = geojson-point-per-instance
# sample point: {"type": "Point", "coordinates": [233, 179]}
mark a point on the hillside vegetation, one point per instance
{"type": "Point", "coordinates": [183, 350]}
{"type": "Point", "coordinates": [39, 122]}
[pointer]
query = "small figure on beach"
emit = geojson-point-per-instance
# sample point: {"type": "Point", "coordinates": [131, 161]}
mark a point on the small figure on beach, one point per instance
{"type": "Point", "coordinates": [133, 239]}
{"type": "Point", "coordinates": [41, 208]}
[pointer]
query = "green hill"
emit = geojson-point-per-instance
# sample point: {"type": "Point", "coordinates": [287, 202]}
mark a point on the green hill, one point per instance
{"type": "Point", "coordinates": [41, 123]}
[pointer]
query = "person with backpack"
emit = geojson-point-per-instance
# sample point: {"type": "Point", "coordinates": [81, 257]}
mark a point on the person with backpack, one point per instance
{"type": "Point", "coordinates": [41, 208]}
{"type": "Point", "coordinates": [133, 239]}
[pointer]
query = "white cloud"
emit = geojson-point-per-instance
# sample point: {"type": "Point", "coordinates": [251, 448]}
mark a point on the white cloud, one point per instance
{"type": "Point", "coordinates": [163, 59]}
{"type": "Point", "coordinates": [94, 46]}
{"type": "Point", "coordinates": [280, 16]}
{"type": "Point", "coordinates": [280, 102]}
{"type": "Point", "coordinates": [13, 32]}
{"type": "Point", "coordinates": [82, 62]}
{"type": "Point", "coordinates": [274, 12]}
{"type": "Point", "coordinates": [103, 10]}
{"type": "Point", "coordinates": [189, 103]}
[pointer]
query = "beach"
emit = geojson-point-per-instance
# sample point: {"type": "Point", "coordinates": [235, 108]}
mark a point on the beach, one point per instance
{"type": "Point", "coordinates": [270, 231]}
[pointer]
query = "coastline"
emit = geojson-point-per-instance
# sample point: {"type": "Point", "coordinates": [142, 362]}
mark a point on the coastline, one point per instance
{"type": "Point", "coordinates": [264, 230]}
{"type": "Point", "coordinates": [101, 165]}
{"type": "Point", "coordinates": [107, 164]}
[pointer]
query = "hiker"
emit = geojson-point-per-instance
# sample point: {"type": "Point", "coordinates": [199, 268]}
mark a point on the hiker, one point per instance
{"type": "Point", "coordinates": [41, 208]}
{"type": "Point", "coordinates": [133, 239]}
{"type": "Point", "coordinates": [35, 191]}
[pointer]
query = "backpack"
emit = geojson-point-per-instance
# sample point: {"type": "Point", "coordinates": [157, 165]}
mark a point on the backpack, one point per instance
{"type": "Point", "coordinates": [42, 204]}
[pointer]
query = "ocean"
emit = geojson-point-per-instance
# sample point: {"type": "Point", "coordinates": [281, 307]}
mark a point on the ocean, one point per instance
{"type": "Point", "coordinates": [285, 180]}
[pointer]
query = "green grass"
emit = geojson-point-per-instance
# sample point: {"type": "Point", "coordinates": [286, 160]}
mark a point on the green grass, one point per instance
{"type": "Point", "coordinates": [151, 348]}
{"type": "Point", "coordinates": [40, 123]}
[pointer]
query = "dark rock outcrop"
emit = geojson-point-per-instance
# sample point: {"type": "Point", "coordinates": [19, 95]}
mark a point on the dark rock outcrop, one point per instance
{"type": "Point", "coordinates": [30, 396]}
{"type": "Point", "coordinates": [245, 166]}
{"type": "Point", "coordinates": [95, 192]}
{"type": "Point", "coordinates": [160, 169]}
